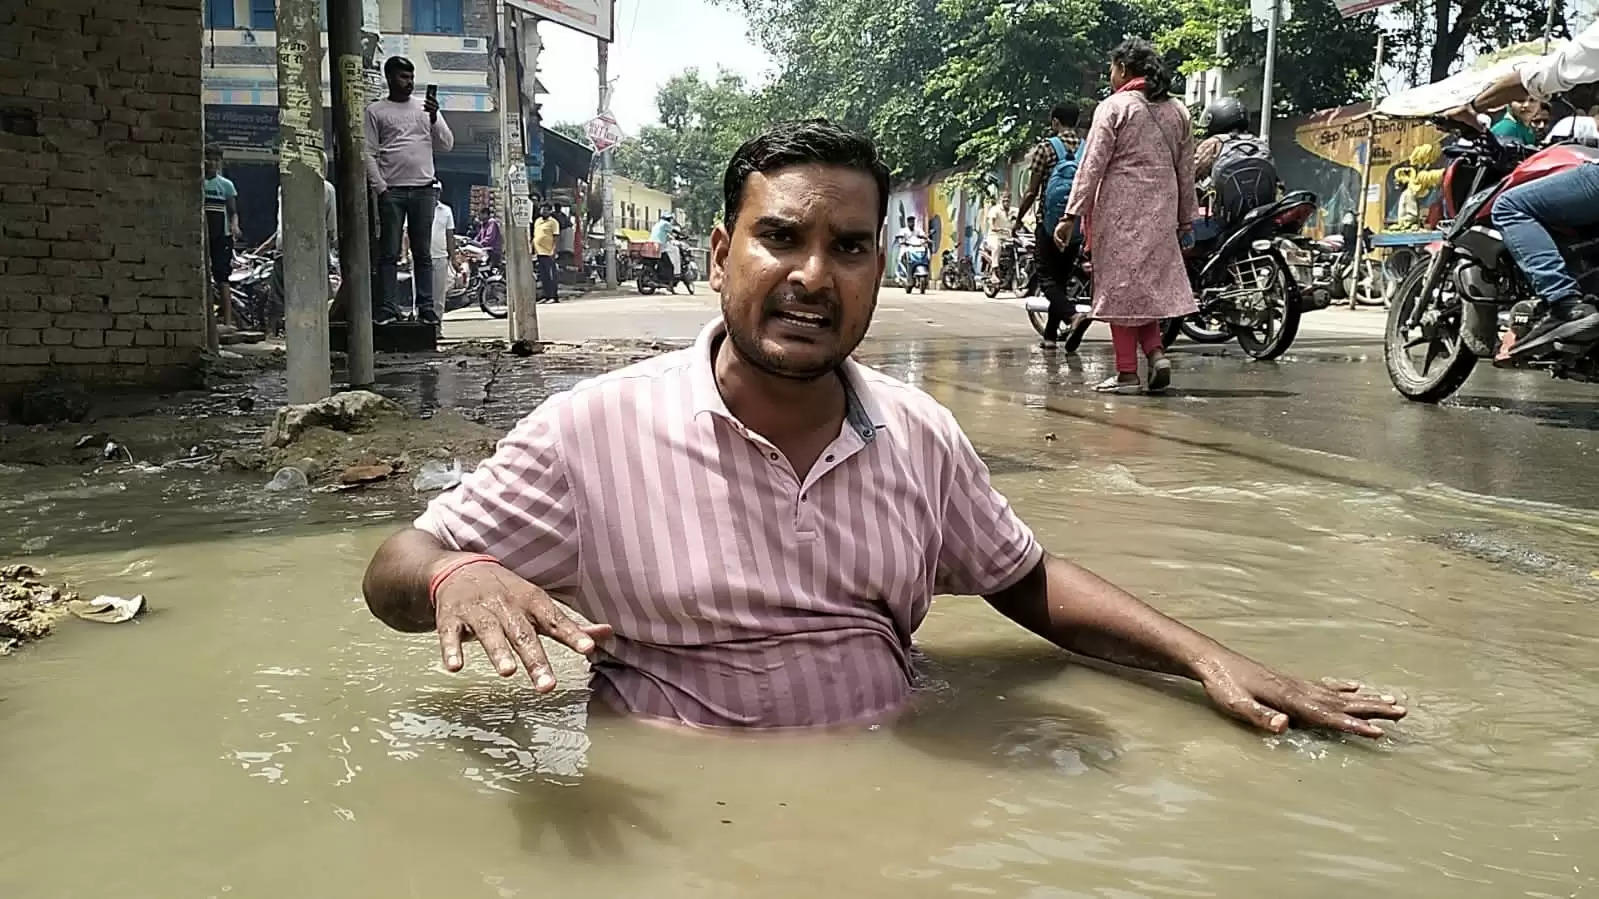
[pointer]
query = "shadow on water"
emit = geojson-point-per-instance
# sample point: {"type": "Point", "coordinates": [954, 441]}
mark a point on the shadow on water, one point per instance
{"type": "Point", "coordinates": [1572, 414]}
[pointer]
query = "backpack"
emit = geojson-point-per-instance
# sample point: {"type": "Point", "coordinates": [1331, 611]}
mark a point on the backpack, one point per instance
{"type": "Point", "coordinates": [1244, 176]}
{"type": "Point", "coordinates": [1058, 189]}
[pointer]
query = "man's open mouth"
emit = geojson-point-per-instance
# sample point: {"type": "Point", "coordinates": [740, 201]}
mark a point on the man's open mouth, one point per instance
{"type": "Point", "coordinates": [802, 319]}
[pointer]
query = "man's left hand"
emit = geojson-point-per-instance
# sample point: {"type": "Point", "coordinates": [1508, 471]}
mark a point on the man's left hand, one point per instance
{"type": "Point", "coordinates": [432, 106]}
{"type": "Point", "coordinates": [1063, 231]}
{"type": "Point", "coordinates": [1271, 701]}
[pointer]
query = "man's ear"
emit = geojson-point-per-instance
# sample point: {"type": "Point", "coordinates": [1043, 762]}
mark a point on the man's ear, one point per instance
{"type": "Point", "coordinates": [721, 243]}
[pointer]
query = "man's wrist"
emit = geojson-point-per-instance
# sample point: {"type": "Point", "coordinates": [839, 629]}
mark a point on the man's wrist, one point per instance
{"type": "Point", "coordinates": [446, 567]}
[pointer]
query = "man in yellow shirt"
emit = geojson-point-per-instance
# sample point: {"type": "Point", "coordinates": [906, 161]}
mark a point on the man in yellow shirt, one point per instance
{"type": "Point", "coordinates": [546, 230]}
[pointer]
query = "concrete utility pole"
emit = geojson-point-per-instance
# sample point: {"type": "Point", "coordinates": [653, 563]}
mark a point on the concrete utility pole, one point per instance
{"type": "Point", "coordinates": [524, 317]}
{"type": "Point", "coordinates": [1361, 247]}
{"type": "Point", "coordinates": [511, 177]}
{"type": "Point", "coordinates": [355, 245]}
{"type": "Point", "coordinates": [1270, 74]}
{"type": "Point", "coordinates": [300, 165]}
{"type": "Point", "coordinates": [1549, 25]}
{"type": "Point", "coordinates": [607, 195]}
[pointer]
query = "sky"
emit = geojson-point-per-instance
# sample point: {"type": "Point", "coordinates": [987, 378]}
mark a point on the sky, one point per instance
{"type": "Point", "coordinates": [655, 39]}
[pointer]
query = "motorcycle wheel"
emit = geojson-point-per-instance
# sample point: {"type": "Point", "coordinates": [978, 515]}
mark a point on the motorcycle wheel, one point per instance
{"type": "Point", "coordinates": [1445, 362]}
{"type": "Point", "coordinates": [1366, 284]}
{"type": "Point", "coordinates": [992, 284]}
{"type": "Point", "coordinates": [1170, 330]}
{"type": "Point", "coordinates": [1201, 328]}
{"type": "Point", "coordinates": [645, 288]}
{"type": "Point", "coordinates": [948, 281]}
{"type": "Point", "coordinates": [1268, 342]}
{"type": "Point", "coordinates": [491, 299]}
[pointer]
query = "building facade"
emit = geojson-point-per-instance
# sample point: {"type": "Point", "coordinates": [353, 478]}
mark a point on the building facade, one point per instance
{"type": "Point", "coordinates": [637, 206]}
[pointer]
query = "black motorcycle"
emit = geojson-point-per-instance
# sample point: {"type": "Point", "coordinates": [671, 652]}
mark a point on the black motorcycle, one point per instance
{"type": "Point", "coordinates": [955, 273]}
{"type": "Point", "coordinates": [1014, 269]}
{"type": "Point", "coordinates": [1243, 284]}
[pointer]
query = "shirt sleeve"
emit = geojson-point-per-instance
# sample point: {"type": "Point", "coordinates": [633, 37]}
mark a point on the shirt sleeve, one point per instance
{"type": "Point", "coordinates": [374, 175]}
{"type": "Point", "coordinates": [1205, 156]}
{"type": "Point", "coordinates": [985, 546]}
{"type": "Point", "coordinates": [518, 506]}
{"type": "Point", "coordinates": [1576, 62]}
{"type": "Point", "coordinates": [443, 137]}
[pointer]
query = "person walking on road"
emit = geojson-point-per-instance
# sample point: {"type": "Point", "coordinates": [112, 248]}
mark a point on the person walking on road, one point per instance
{"type": "Point", "coordinates": [402, 133]}
{"type": "Point", "coordinates": [442, 246]}
{"type": "Point", "coordinates": [1135, 187]}
{"type": "Point", "coordinates": [222, 227]}
{"type": "Point", "coordinates": [546, 239]}
{"type": "Point", "coordinates": [1054, 159]}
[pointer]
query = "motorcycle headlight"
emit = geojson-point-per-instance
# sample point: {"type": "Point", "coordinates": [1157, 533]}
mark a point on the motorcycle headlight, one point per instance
{"type": "Point", "coordinates": [1261, 246]}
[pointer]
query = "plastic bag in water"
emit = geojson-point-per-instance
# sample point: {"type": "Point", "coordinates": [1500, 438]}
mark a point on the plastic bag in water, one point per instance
{"type": "Point", "coordinates": [289, 478]}
{"type": "Point", "coordinates": [435, 475]}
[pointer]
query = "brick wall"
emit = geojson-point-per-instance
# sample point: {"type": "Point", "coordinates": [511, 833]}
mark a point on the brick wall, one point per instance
{"type": "Point", "coordinates": [101, 265]}
{"type": "Point", "coordinates": [478, 19]}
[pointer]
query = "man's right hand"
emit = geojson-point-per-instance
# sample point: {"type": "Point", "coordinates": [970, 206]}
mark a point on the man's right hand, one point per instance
{"type": "Point", "coordinates": [488, 603]}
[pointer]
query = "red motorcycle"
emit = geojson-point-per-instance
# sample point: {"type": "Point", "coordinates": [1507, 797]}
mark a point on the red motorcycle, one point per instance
{"type": "Point", "coordinates": [1471, 299]}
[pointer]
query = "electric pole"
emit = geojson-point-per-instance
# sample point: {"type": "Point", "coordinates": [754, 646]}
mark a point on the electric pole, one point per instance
{"type": "Point", "coordinates": [511, 175]}
{"type": "Point", "coordinates": [1270, 74]}
{"type": "Point", "coordinates": [355, 245]}
{"type": "Point", "coordinates": [301, 163]}
{"type": "Point", "coordinates": [607, 195]}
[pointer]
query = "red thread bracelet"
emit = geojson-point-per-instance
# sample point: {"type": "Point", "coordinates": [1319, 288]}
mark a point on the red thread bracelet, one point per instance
{"type": "Point", "coordinates": [444, 574]}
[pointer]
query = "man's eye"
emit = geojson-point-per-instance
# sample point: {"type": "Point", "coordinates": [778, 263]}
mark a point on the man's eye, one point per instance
{"type": "Point", "coordinates": [779, 236]}
{"type": "Point", "coordinates": [853, 247]}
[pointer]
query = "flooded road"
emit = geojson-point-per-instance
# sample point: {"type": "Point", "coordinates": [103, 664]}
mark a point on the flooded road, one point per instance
{"type": "Point", "coordinates": [259, 734]}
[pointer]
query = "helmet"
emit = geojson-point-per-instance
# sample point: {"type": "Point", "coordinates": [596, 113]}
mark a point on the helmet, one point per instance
{"type": "Point", "coordinates": [1224, 116]}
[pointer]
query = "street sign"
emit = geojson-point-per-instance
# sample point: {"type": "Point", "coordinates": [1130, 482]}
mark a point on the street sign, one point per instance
{"type": "Point", "coordinates": [592, 17]}
{"type": "Point", "coordinates": [1260, 12]}
{"type": "Point", "coordinates": [1351, 8]}
{"type": "Point", "coordinates": [603, 132]}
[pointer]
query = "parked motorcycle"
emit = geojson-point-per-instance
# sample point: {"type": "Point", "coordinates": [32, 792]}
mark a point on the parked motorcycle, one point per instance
{"type": "Point", "coordinates": [256, 304]}
{"type": "Point", "coordinates": [956, 272]}
{"type": "Point", "coordinates": [1471, 300]}
{"type": "Point", "coordinates": [1244, 286]}
{"type": "Point", "coordinates": [1016, 267]}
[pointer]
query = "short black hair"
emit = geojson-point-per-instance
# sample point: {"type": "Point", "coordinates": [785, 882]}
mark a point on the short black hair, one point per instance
{"type": "Point", "coordinates": [1066, 113]}
{"type": "Point", "coordinates": [397, 64]}
{"type": "Point", "coordinates": [213, 151]}
{"type": "Point", "coordinates": [801, 143]}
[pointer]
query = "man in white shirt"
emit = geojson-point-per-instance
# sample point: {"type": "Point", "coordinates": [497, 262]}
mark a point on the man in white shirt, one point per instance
{"type": "Point", "coordinates": [442, 246]}
{"type": "Point", "coordinates": [1568, 199]}
{"type": "Point", "coordinates": [999, 222]}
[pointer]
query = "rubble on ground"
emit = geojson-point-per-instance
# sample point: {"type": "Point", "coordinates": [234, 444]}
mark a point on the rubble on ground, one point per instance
{"type": "Point", "coordinates": [29, 606]}
{"type": "Point", "coordinates": [358, 438]}
{"type": "Point", "coordinates": [350, 411]}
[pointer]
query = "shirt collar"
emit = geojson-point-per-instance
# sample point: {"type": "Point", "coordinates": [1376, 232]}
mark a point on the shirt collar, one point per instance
{"type": "Point", "coordinates": [861, 411]}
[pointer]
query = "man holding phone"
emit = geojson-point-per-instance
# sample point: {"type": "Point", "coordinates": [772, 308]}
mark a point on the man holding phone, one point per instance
{"type": "Point", "coordinates": [401, 137]}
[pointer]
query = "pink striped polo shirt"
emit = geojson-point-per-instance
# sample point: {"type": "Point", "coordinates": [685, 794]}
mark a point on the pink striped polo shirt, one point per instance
{"type": "Point", "coordinates": [741, 594]}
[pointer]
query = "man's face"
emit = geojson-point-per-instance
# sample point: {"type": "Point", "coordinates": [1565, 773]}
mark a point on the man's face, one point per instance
{"type": "Point", "coordinates": [211, 167]}
{"type": "Point", "coordinates": [402, 82]}
{"type": "Point", "coordinates": [800, 270]}
{"type": "Point", "coordinates": [1004, 202]}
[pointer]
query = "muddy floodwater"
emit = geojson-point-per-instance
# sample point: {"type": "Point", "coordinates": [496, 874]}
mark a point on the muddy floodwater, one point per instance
{"type": "Point", "coordinates": [258, 734]}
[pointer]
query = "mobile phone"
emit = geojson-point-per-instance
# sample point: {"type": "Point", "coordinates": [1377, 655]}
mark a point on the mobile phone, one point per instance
{"type": "Point", "coordinates": [433, 92]}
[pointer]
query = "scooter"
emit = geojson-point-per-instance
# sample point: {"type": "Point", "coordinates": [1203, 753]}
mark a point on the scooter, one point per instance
{"type": "Point", "coordinates": [916, 267]}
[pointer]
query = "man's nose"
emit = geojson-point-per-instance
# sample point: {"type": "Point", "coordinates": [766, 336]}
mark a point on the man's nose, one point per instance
{"type": "Point", "coordinates": [813, 272]}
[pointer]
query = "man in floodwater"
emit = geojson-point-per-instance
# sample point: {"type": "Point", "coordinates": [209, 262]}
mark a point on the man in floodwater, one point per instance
{"type": "Point", "coordinates": [758, 522]}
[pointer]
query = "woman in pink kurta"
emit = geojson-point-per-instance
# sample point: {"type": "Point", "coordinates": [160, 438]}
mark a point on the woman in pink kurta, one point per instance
{"type": "Point", "coordinates": [1135, 189]}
